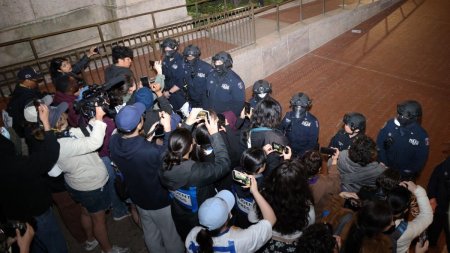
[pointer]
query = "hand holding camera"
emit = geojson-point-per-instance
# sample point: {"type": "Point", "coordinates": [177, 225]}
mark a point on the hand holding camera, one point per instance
{"type": "Point", "coordinates": [165, 121]}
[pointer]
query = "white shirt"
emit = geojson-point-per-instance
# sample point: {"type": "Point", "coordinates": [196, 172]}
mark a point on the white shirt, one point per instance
{"type": "Point", "coordinates": [235, 240]}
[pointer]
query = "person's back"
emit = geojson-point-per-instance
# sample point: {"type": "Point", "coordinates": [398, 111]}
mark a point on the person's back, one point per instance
{"type": "Point", "coordinates": [358, 166]}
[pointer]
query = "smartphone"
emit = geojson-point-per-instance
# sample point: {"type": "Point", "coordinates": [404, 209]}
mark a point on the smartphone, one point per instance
{"type": "Point", "coordinates": [97, 49]}
{"type": "Point", "coordinates": [247, 107]}
{"type": "Point", "coordinates": [145, 82]}
{"type": "Point", "coordinates": [327, 151]}
{"type": "Point", "coordinates": [278, 147]}
{"type": "Point", "coordinates": [203, 115]}
{"type": "Point", "coordinates": [423, 237]}
{"type": "Point", "coordinates": [240, 177]}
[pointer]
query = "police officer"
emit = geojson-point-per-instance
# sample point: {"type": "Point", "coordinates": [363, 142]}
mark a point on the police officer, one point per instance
{"type": "Point", "coordinates": [402, 143]}
{"type": "Point", "coordinates": [225, 90]}
{"type": "Point", "coordinates": [261, 90]}
{"type": "Point", "coordinates": [172, 67]}
{"type": "Point", "coordinates": [195, 73]}
{"type": "Point", "coordinates": [300, 126]}
{"type": "Point", "coordinates": [354, 125]}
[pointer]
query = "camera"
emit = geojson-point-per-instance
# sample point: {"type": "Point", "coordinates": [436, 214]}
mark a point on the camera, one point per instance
{"type": "Point", "coordinates": [97, 95]}
{"type": "Point", "coordinates": [8, 230]}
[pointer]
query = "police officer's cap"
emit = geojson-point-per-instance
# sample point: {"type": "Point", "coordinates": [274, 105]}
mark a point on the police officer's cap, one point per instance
{"type": "Point", "coordinates": [223, 57]}
{"type": "Point", "coordinates": [191, 50]}
{"type": "Point", "coordinates": [169, 42]}
{"type": "Point", "coordinates": [409, 109]}
{"type": "Point", "coordinates": [355, 120]}
{"type": "Point", "coordinates": [262, 86]}
{"type": "Point", "coordinates": [300, 99]}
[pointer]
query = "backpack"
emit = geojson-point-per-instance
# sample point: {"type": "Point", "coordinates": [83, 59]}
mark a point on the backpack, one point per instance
{"type": "Point", "coordinates": [335, 214]}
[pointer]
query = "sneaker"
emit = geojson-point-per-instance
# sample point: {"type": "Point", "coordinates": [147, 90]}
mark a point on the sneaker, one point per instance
{"type": "Point", "coordinates": [122, 217]}
{"type": "Point", "coordinates": [117, 249]}
{"type": "Point", "coordinates": [90, 245]}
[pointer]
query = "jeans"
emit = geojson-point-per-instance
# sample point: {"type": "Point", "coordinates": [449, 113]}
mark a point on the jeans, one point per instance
{"type": "Point", "coordinates": [160, 234]}
{"type": "Point", "coordinates": [48, 237]}
{"type": "Point", "coordinates": [119, 208]}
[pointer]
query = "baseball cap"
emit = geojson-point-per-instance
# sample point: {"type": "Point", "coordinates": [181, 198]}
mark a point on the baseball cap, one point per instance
{"type": "Point", "coordinates": [129, 117]}
{"type": "Point", "coordinates": [145, 96]}
{"type": "Point", "coordinates": [214, 212]}
{"type": "Point", "coordinates": [31, 115]}
{"type": "Point", "coordinates": [29, 73]}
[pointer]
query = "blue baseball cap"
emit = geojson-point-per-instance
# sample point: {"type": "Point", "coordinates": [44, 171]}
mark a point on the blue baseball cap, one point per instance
{"type": "Point", "coordinates": [145, 96]}
{"type": "Point", "coordinates": [214, 212]}
{"type": "Point", "coordinates": [129, 117]}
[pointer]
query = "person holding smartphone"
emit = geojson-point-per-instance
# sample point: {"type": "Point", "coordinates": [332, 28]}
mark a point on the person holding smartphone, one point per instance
{"type": "Point", "coordinates": [61, 66]}
{"type": "Point", "coordinates": [192, 182]}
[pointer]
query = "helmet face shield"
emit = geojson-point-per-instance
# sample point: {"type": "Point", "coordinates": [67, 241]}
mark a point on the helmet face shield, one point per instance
{"type": "Point", "coordinates": [169, 46]}
{"type": "Point", "coordinates": [225, 58]}
{"type": "Point", "coordinates": [355, 121]}
{"type": "Point", "coordinates": [262, 87]}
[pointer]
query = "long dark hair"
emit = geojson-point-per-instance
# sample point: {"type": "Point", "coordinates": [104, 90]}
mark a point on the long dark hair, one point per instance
{"type": "Point", "coordinates": [373, 218]}
{"type": "Point", "coordinates": [55, 66]}
{"type": "Point", "coordinates": [202, 142]}
{"type": "Point", "coordinates": [252, 159]}
{"type": "Point", "coordinates": [288, 193]}
{"type": "Point", "coordinates": [266, 114]}
{"type": "Point", "coordinates": [180, 142]}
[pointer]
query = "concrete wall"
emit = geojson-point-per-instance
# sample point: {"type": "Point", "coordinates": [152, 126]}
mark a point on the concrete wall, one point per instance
{"type": "Point", "coordinates": [22, 19]}
{"type": "Point", "coordinates": [299, 39]}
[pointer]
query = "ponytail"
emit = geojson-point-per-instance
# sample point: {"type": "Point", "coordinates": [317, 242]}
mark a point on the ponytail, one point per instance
{"type": "Point", "coordinates": [180, 142]}
{"type": "Point", "coordinates": [205, 241]}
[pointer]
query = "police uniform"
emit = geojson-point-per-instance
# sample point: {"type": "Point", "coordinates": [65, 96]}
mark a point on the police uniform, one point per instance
{"type": "Point", "coordinates": [303, 132]}
{"type": "Point", "coordinates": [195, 76]}
{"type": "Point", "coordinates": [225, 92]}
{"type": "Point", "coordinates": [342, 140]}
{"type": "Point", "coordinates": [173, 71]}
{"type": "Point", "coordinates": [404, 148]}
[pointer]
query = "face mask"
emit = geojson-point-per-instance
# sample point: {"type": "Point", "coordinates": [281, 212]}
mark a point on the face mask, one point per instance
{"type": "Point", "coordinates": [5, 133]}
{"type": "Point", "coordinates": [221, 69]}
{"type": "Point", "coordinates": [262, 95]}
{"type": "Point", "coordinates": [170, 53]}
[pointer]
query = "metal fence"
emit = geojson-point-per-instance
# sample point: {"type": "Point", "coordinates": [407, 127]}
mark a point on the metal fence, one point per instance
{"type": "Point", "coordinates": [224, 31]}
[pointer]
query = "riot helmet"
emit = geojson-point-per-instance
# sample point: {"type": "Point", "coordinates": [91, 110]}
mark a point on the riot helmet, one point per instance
{"type": "Point", "coordinates": [408, 111]}
{"type": "Point", "coordinates": [170, 43]}
{"type": "Point", "coordinates": [356, 121]}
{"type": "Point", "coordinates": [300, 103]}
{"type": "Point", "coordinates": [191, 50]}
{"type": "Point", "coordinates": [262, 87]}
{"type": "Point", "coordinates": [225, 58]}
{"type": "Point", "coordinates": [300, 99]}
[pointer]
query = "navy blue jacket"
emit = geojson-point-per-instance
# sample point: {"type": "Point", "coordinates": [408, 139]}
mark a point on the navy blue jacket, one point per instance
{"type": "Point", "coordinates": [139, 161]}
{"type": "Point", "coordinates": [439, 185]}
{"type": "Point", "coordinates": [195, 76]}
{"type": "Point", "coordinates": [303, 133]}
{"type": "Point", "coordinates": [225, 93]}
{"type": "Point", "coordinates": [404, 148]}
{"type": "Point", "coordinates": [342, 141]}
{"type": "Point", "coordinates": [172, 69]}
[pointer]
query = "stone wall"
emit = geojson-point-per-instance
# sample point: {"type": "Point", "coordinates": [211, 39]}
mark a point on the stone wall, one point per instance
{"type": "Point", "coordinates": [22, 19]}
{"type": "Point", "coordinates": [299, 39]}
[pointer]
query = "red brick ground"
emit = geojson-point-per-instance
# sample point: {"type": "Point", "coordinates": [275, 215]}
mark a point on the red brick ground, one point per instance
{"type": "Point", "coordinates": [401, 54]}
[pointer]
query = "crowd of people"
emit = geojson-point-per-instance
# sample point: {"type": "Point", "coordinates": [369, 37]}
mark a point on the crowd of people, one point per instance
{"type": "Point", "coordinates": [199, 169]}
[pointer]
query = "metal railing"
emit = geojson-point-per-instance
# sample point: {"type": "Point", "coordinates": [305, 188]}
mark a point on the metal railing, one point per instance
{"type": "Point", "coordinates": [224, 31]}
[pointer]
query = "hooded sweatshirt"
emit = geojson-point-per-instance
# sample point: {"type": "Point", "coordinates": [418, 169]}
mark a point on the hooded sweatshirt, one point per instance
{"type": "Point", "coordinates": [139, 161]}
{"type": "Point", "coordinates": [354, 176]}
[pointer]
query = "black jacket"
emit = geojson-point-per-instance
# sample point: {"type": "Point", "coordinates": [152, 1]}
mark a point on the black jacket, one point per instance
{"type": "Point", "coordinates": [23, 189]}
{"type": "Point", "coordinates": [195, 179]}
